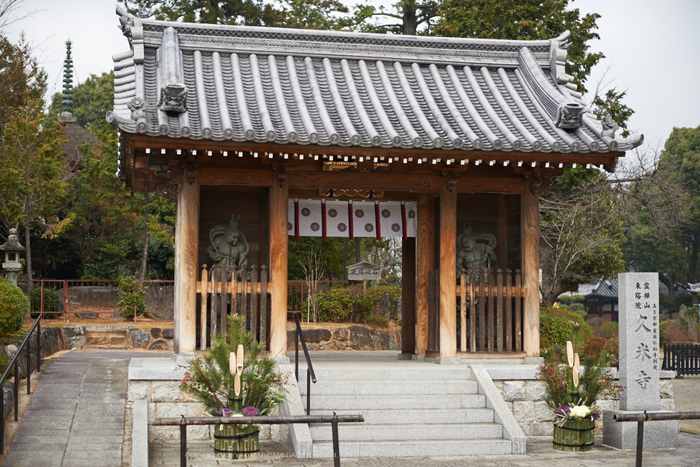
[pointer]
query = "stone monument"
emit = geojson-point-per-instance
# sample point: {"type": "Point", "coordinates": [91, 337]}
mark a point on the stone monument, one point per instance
{"type": "Point", "coordinates": [640, 365]}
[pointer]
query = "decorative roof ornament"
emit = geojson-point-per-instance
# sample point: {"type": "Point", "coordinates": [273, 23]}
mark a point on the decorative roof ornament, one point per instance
{"type": "Point", "coordinates": [67, 100]}
{"type": "Point", "coordinates": [126, 22]}
{"type": "Point", "coordinates": [570, 115]}
{"type": "Point", "coordinates": [609, 127]}
{"type": "Point", "coordinates": [557, 64]}
{"type": "Point", "coordinates": [173, 93]}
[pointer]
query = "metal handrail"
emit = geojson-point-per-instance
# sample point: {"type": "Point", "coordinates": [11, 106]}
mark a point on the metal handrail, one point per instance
{"type": "Point", "coordinates": [183, 422]}
{"type": "Point", "coordinates": [14, 363]}
{"type": "Point", "coordinates": [641, 417]}
{"type": "Point", "coordinates": [310, 374]}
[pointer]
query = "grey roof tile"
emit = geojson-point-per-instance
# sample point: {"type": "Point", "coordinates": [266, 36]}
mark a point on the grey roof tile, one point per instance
{"type": "Point", "coordinates": [347, 89]}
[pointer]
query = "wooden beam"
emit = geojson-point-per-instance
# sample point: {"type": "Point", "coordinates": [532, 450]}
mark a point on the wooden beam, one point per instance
{"type": "Point", "coordinates": [448, 265]}
{"type": "Point", "coordinates": [216, 176]}
{"type": "Point", "coordinates": [411, 182]}
{"type": "Point", "coordinates": [531, 271]}
{"type": "Point", "coordinates": [408, 295]}
{"type": "Point", "coordinates": [186, 267]}
{"type": "Point", "coordinates": [278, 265]}
{"type": "Point", "coordinates": [426, 245]}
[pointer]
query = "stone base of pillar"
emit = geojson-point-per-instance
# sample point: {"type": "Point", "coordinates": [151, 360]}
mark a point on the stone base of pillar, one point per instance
{"type": "Point", "coordinates": [660, 434]}
{"type": "Point", "coordinates": [406, 356]}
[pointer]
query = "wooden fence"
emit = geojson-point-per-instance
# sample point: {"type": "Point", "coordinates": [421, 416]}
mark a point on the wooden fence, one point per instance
{"type": "Point", "coordinates": [226, 292]}
{"type": "Point", "coordinates": [684, 359]}
{"type": "Point", "coordinates": [489, 311]}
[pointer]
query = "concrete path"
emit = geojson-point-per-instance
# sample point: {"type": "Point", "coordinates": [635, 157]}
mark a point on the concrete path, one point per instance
{"type": "Point", "coordinates": [539, 453]}
{"type": "Point", "coordinates": [686, 392]}
{"type": "Point", "coordinates": [76, 415]}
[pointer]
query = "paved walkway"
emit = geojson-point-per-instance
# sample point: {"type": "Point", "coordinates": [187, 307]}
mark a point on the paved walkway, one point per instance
{"type": "Point", "coordinates": [78, 416]}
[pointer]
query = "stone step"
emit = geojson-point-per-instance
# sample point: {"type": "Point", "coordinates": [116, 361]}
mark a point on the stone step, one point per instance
{"type": "Point", "coordinates": [417, 448]}
{"type": "Point", "coordinates": [392, 387]}
{"type": "Point", "coordinates": [428, 372]}
{"type": "Point", "coordinates": [407, 433]}
{"type": "Point", "coordinates": [383, 402]}
{"type": "Point", "coordinates": [420, 416]}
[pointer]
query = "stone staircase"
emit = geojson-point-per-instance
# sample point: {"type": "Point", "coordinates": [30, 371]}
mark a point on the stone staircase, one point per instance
{"type": "Point", "coordinates": [410, 408]}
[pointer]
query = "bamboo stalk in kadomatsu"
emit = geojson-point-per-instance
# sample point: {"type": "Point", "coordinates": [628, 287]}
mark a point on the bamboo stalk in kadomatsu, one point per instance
{"type": "Point", "coordinates": [234, 401]}
{"type": "Point", "coordinates": [239, 370]}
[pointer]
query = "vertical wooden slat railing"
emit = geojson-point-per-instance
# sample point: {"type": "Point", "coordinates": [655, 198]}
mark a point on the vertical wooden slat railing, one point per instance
{"type": "Point", "coordinates": [203, 315]}
{"type": "Point", "coordinates": [223, 293]}
{"type": "Point", "coordinates": [490, 311]}
{"type": "Point", "coordinates": [684, 359]}
{"type": "Point", "coordinates": [472, 311]}
{"type": "Point", "coordinates": [254, 317]}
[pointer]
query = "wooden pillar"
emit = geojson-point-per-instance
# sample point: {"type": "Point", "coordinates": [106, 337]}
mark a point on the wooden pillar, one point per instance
{"type": "Point", "coordinates": [278, 265]}
{"type": "Point", "coordinates": [408, 296]}
{"type": "Point", "coordinates": [186, 259]}
{"type": "Point", "coordinates": [426, 255]}
{"type": "Point", "coordinates": [530, 210]}
{"type": "Point", "coordinates": [448, 265]}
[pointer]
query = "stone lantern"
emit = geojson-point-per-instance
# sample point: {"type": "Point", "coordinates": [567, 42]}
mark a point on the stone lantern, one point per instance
{"type": "Point", "coordinates": [12, 249]}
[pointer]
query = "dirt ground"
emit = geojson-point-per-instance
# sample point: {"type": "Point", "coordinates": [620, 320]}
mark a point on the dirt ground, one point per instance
{"type": "Point", "coordinates": [71, 319]}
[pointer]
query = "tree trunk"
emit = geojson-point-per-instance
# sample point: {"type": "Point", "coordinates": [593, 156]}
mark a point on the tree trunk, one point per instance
{"type": "Point", "coordinates": [693, 261]}
{"type": "Point", "coordinates": [28, 255]}
{"type": "Point", "coordinates": [345, 258]}
{"type": "Point", "coordinates": [146, 239]}
{"type": "Point", "coordinates": [409, 18]}
{"type": "Point", "coordinates": [358, 256]}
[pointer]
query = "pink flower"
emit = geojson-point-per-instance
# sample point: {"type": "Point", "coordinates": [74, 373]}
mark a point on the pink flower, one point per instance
{"type": "Point", "coordinates": [224, 412]}
{"type": "Point", "coordinates": [251, 412]}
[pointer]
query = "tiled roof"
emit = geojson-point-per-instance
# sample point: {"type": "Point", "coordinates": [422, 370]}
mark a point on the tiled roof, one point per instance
{"type": "Point", "coordinates": [609, 289]}
{"type": "Point", "coordinates": [236, 83]}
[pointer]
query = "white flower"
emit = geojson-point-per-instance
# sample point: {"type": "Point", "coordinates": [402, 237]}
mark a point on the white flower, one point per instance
{"type": "Point", "coordinates": [579, 411]}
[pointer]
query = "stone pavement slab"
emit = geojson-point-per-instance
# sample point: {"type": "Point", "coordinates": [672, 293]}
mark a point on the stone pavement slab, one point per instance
{"type": "Point", "coordinates": [76, 414]}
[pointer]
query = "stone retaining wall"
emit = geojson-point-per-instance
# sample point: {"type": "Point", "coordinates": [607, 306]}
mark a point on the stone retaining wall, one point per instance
{"type": "Point", "coordinates": [117, 337]}
{"type": "Point", "coordinates": [525, 398]}
{"type": "Point", "coordinates": [349, 338]}
{"type": "Point", "coordinates": [165, 400]}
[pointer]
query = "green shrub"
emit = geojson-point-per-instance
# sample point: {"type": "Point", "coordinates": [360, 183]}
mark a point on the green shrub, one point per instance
{"type": "Point", "coordinates": [609, 330]}
{"type": "Point", "coordinates": [52, 303]}
{"type": "Point", "coordinates": [131, 297]}
{"type": "Point", "coordinates": [335, 305]}
{"type": "Point", "coordinates": [377, 320]}
{"type": "Point", "coordinates": [4, 362]}
{"type": "Point", "coordinates": [555, 327]}
{"type": "Point", "coordinates": [13, 305]}
{"type": "Point", "coordinates": [368, 302]}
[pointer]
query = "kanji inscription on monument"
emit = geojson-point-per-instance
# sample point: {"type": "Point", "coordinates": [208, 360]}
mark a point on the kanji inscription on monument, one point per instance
{"type": "Point", "coordinates": [639, 341]}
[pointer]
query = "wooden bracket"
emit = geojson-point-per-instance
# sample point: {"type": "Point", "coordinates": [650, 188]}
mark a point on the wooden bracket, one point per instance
{"type": "Point", "coordinates": [451, 179]}
{"type": "Point", "coordinates": [281, 176]}
{"type": "Point", "coordinates": [540, 182]}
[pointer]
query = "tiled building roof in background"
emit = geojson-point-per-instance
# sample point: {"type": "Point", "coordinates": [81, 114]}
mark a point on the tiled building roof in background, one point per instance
{"type": "Point", "coordinates": [301, 87]}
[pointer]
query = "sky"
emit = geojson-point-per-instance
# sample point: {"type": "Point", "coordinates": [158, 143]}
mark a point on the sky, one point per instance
{"type": "Point", "coordinates": [651, 47]}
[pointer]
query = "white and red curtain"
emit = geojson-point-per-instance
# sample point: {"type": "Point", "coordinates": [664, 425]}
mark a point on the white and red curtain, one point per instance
{"type": "Point", "coordinates": [334, 218]}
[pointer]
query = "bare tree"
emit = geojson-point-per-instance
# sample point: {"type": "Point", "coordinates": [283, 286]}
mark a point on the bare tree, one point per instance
{"type": "Point", "coordinates": [583, 220]}
{"type": "Point", "coordinates": [6, 9]}
{"type": "Point", "coordinates": [313, 272]}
